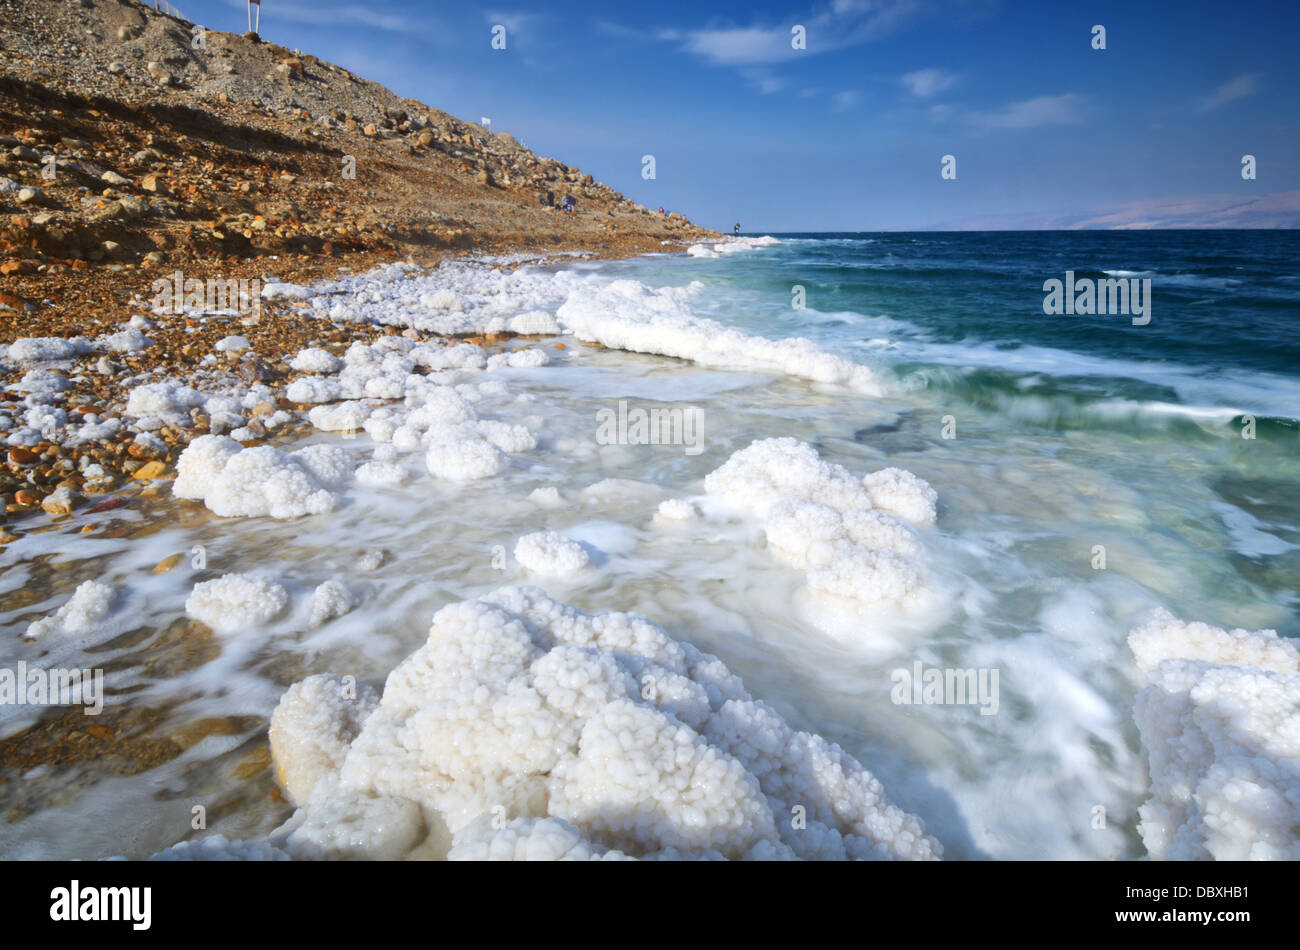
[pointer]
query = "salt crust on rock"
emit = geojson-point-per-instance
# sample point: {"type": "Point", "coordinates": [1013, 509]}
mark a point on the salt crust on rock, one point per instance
{"type": "Point", "coordinates": [534, 323]}
{"type": "Point", "coordinates": [1220, 721]}
{"type": "Point", "coordinates": [90, 603]}
{"type": "Point", "coordinates": [589, 734]}
{"type": "Point", "coordinates": [551, 553]}
{"type": "Point", "coordinates": [331, 599]}
{"type": "Point", "coordinates": [162, 399]}
{"type": "Point", "coordinates": [851, 536]}
{"type": "Point", "coordinates": [233, 481]}
{"type": "Point", "coordinates": [423, 415]}
{"type": "Point", "coordinates": [315, 360]}
{"type": "Point", "coordinates": [527, 839]}
{"type": "Point", "coordinates": [234, 602]}
{"type": "Point", "coordinates": [312, 727]}
{"type": "Point", "coordinates": [41, 349]}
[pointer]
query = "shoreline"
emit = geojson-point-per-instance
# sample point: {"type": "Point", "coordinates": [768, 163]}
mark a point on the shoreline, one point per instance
{"type": "Point", "coordinates": [180, 345]}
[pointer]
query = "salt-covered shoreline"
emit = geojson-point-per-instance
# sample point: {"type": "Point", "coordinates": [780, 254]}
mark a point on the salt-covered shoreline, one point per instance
{"type": "Point", "coordinates": [409, 418]}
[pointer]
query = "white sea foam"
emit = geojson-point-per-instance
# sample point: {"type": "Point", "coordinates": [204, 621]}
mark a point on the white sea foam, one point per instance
{"type": "Point", "coordinates": [628, 315]}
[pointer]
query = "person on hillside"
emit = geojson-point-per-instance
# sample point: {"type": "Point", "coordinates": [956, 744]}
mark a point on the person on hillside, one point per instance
{"type": "Point", "coordinates": [736, 229]}
{"type": "Point", "coordinates": [570, 204]}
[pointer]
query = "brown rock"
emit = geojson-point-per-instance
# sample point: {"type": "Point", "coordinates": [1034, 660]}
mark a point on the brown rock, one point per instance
{"type": "Point", "coordinates": [60, 503]}
{"type": "Point", "coordinates": [167, 563]}
{"type": "Point", "coordinates": [138, 451]}
{"type": "Point", "coordinates": [149, 471]}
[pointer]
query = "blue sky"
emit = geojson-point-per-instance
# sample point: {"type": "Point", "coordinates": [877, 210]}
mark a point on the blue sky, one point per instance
{"type": "Point", "coordinates": [848, 134]}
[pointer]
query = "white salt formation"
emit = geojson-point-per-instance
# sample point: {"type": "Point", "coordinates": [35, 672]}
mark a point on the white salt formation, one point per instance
{"type": "Point", "coordinates": [162, 399]}
{"type": "Point", "coordinates": [127, 341]}
{"type": "Point", "coordinates": [527, 839]}
{"type": "Point", "coordinates": [234, 602]}
{"type": "Point", "coordinates": [464, 459]}
{"type": "Point", "coordinates": [43, 349]}
{"type": "Point", "coordinates": [1221, 724]}
{"type": "Point", "coordinates": [546, 497]}
{"type": "Point", "coordinates": [548, 552]}
{"type": "Point", "coordinates": [312, 727]}
{"type": "Point", "coordinates": [331, 599]}
{"type": "Point", "coordinates": [628, 315]}
{"type": "Point", "coordinates": [275, 290]}
{"type": "Point", "coordinates": [234, 481]}
{"type": "Point", "coordinates": [89, 605]}
{"type": "Point", "coordinates": [232, 344]}
{"type": "Point", "coordinates": [534, 323]}
{"type": "Point", "coordinates": [424, 413]}
{"type": "Point", "coordinates": [851, 536]}
{"type": "Point", "coordinates": [312, 389]}
{"type": "Point", "coordinates": [675, 509]}
{"type": "Point", "coordinates": [315, 360]}
{"type": "Point", "coordinates": [585, 735]}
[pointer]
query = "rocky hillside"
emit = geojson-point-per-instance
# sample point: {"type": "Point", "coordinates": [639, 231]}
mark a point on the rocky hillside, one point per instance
{"type": "Point", "coordinates": [130, 141]}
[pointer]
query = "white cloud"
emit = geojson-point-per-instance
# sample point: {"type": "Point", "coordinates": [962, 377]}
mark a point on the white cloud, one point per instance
{"type": "Point", "coordinates": [846, 100]}
{"type": "Point", "coordinates": [925, 83]}
{"type": "Point", "coordinates": [1066, 109]}
{"type": "Point", "coordinates": [1230, 91]}
{"type": "Point", "coordinates": [734, 47]}
{"type": "Point", "coordinates": [845, 23]}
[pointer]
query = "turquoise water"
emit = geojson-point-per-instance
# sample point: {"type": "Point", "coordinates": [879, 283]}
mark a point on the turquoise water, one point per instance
{"type": "Point", "coordinates": [954, 323]}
